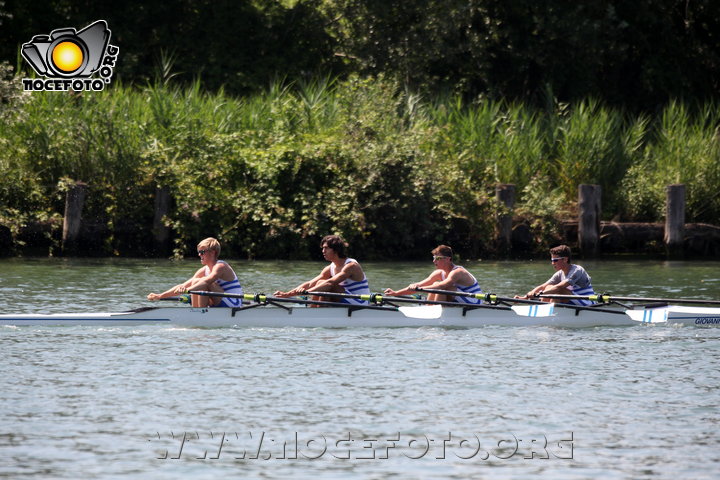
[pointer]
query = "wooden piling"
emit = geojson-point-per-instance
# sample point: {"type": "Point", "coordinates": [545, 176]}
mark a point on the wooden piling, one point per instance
{"type": "Point", "coordinates": [161, 233]}
{"type": "Point", "coordinates": [589, 201]}
{"type": "Point", "coordinates": [72, 221]}
{"type": "Point", "coordinates": [505, 195]}
{"type": "Point", "coordinates": [675, 219]}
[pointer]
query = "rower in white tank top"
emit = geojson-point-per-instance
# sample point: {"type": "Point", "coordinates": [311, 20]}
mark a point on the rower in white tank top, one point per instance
{"type": "Point", "coordinates": [229, 286]}
{"type": "Point", "coordinates": [360, 287]}
{"type": "Point", "coordinates": [473, 288]}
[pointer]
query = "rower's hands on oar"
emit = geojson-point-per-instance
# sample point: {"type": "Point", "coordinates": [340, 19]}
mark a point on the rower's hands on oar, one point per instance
{"type": "Point", "coordinates": [176, 290]}
{"type": "Point", "coordinates": [292, 293]}
{"type": "Point", "coordinates": [528, 296]}
{"type": "Point", "coordinates": [413, 287]}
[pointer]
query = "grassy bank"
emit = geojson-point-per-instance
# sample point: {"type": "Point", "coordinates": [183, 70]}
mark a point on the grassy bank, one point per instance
{"type": "Point", "coordinates": [393, 173]}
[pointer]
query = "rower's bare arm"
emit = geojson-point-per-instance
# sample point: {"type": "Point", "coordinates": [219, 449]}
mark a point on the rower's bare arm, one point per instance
{"type": "Point", "coordinates": [351, 270]}
{"type": "Point", "coordinates": [537, 290]}
{"type": "Point", "coordinates": [179, 288]}
{"type": "Point", "coordinates": [171, 292]}
{"type": "Point", "coordinates": [202, 281]}
{"type": "Point", "coordinates": [412, 288]}
{"type": "Point", "coordinates": [458, 278]}
{"type": "Point", "coordinates": [305, 285]}
{"type": "Point", "coordinates": [447, 284]}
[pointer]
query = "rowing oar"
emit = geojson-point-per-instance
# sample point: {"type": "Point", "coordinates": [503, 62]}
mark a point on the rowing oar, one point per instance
{"type": "Point", "coordinates": [535, 309]}
{"type": "Point", "coordinates": [485, 297]}
{"type": "Point", "coordinates": [545, 309]}
{"type": "Point", "coordinates": [378, 298]}
{"type": "Point", "coordinates": [610, 299]}
{"type": "Point", "coordinates": [263, 299]}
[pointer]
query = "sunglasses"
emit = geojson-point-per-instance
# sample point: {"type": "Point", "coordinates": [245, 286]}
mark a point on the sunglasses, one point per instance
{"type": "Point", "coordinates": [553, 260]}
{"type": "Point", "coordinates": [202, 252]}
{"type": "Point", "coordinates": [438, 257]}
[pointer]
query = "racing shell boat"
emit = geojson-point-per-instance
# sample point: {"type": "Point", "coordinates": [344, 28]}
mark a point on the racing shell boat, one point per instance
{"type": "Point", "coordinates": [352, 316]}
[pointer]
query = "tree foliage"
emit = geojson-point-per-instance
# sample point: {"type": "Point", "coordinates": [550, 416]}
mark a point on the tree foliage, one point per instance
{"type": "Point", "coordinates": [638, 54]}
{"type": "Point", "coordinates": [274, 122]}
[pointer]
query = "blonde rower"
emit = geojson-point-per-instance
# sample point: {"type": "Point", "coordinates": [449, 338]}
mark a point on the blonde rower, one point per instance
{"type": "Point", "coordinates": [215, 276]}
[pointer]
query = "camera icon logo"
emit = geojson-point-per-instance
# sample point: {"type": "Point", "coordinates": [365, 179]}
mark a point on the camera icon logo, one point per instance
{"type": "Point", "coordinates": [68, 54]}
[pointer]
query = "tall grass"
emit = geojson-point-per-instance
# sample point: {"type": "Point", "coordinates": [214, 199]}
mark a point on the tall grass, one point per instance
{"type": "Point", "coordinates": [684, 147]}
{"type": "Point", "coordinates": [392, 172]}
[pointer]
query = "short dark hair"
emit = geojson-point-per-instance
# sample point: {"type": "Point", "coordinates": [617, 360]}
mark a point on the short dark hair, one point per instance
{"type": "Point", "coordinates": [336, 243]}
{"type": "Point", "coordinates": [561, 251]}
{"type": "Point", "coordinates": [442, 251]}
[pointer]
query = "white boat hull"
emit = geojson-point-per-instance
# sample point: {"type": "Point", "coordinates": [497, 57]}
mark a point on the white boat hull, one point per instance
{"type": "Point", "coordinates": [340, 317]}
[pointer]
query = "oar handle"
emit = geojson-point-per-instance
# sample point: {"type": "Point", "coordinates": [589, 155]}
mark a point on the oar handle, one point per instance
{"type": "Point", "coordinates": [593, 298]}
{"type": "Point", "coordinates": [331, 294]}
{"type": "Point", "coordinates": [371, 298]}
{"type": "Point", "coordinates": [493, 299]}
{"type": "Point", "coordinates": [250, 297]}
{"type": "Point", "coordinates": [181, 299]}
{"type": "Point", "coordinates": [485, 297]}
{"type": "Point", "coordinates": [379, 299]}
{"type": "Point", "coordinates": [265, 299]}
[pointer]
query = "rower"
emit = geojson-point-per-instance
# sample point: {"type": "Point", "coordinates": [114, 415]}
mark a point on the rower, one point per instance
{"type": "Point", "coordinates": [569, 279]}
{"type": "Point", "coordinates": [343, 275]}
{"type": "Point", "coordinates": [215, 276]}
{"type": "Point", "coordinates": [447, 276]}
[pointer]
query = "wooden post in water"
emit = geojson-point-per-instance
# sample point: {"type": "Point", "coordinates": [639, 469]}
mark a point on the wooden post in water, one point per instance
{"type": "Point", "coordinates": [505, 195]}
{"type": "Point", "coordinates": [589, 197]}
{"type": "Point", "coordinates": [161, 233]}
{"type": "Point", "coordinates": [675, 219]}
{"type": "Point", "coordinates": [74, 202]}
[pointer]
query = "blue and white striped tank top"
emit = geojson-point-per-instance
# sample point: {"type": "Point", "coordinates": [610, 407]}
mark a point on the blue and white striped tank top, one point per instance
{"type": "Point", "coordinates": [580, 283]}
{"type": "Point", "coordinates": [583, 292]}
{"type": "Point", "coordinates": [228, 286]}
{"type": "Point", "coordinates": [474, 288]}
{"type": "Point", "coordinates": [360, 287]}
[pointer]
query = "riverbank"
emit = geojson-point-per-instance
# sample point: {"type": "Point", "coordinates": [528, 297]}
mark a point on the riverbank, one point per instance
{"type": "Point", "coordinates": [616, 240]}
{"type": "Point", "coordinates": [160, 167]}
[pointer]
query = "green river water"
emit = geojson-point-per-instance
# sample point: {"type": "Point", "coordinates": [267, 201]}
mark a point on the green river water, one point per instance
{"type": "Point", "coordinates": [157, 402]}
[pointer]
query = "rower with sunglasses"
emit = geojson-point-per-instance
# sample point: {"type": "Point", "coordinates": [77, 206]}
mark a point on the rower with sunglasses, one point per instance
{"type": "Point", "coordinates": [447, 276]}
{"type": "Point", "coordinates": [215, 276]}
{"type": "Point", "coordinates": [569, 279]}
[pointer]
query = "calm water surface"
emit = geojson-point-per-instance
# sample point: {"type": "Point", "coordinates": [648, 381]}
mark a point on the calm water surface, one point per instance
{"type": "Point", "coordinates": [494, 402]}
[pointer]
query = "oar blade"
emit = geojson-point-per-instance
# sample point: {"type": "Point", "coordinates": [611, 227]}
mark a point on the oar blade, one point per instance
{"type": "Point", "coordinates": [648, 315]}
{"type": "Point", "coordinates": [427, 312]}
{"type": "Point", "coordinates": [544, 310]}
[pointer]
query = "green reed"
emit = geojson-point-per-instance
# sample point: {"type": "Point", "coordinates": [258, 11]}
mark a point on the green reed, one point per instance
{"type": "Point", "coordinates": [683, 147]}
